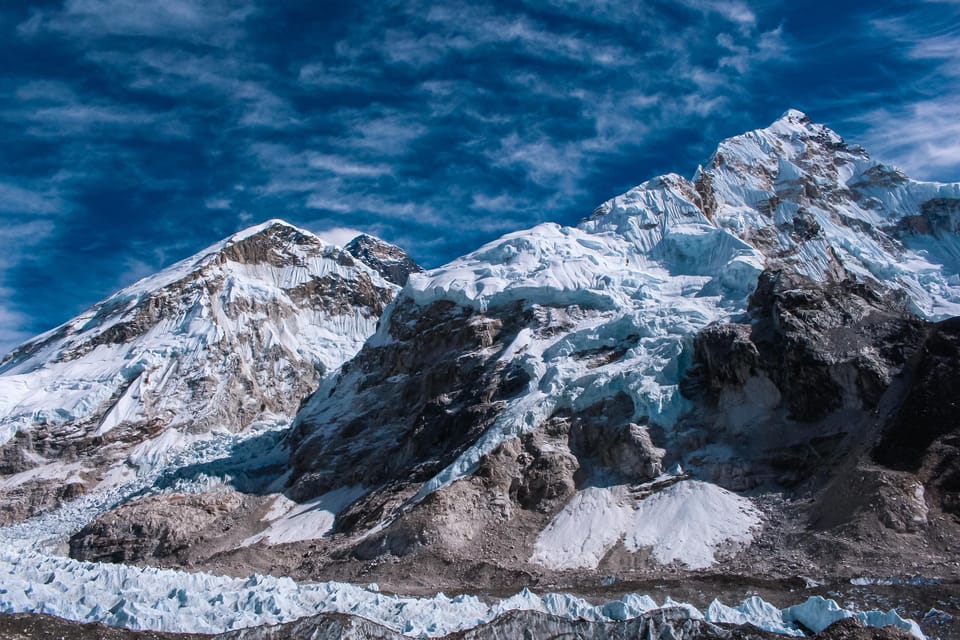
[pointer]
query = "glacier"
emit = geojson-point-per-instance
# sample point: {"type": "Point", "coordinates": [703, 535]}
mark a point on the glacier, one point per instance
{"type": "Point", "coordinates": [167, 600]}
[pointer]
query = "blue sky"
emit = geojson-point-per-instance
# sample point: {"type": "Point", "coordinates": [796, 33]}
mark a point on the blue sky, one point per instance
{"type": "Point", "coordinates": [136, 133]}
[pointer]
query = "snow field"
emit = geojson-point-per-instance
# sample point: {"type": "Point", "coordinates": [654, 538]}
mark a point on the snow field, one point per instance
{"type": "Point", "coordinates": [686, 522]}
{"type": "Point", "coordinates": [292, 522]}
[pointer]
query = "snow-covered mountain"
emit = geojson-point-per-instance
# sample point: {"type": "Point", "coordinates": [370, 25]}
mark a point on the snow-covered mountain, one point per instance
{"type": "Point", "coordinates": [740, 380]}
{"type": "Point", "coordinates": [536, 389]}
{"type": "Point", "coordinates": [238, 333]}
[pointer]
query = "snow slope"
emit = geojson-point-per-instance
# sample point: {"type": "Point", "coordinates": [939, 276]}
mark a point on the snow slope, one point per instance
{"type": "Point", "coordinates": [686, 523]}
{"type": "Point", "coordinates": [180, 324]}
{"type": "Point", "coordinates": [293, 522]}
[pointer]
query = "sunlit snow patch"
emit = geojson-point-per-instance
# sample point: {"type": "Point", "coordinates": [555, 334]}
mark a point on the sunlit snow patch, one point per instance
{"type": "Point", "coordinates": [292, 522]}
{"type": "Point", "coordinates": [685, 523]}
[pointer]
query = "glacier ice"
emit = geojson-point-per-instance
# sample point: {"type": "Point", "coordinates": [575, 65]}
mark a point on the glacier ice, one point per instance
{"type": "Point", "coordinates": [167, 600]}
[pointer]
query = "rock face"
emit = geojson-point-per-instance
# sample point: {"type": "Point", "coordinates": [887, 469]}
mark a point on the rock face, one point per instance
{"type": "Point", "coordinates": [797, 382]}
{"type": "Point", "coordinates": [389, 260]}
{"type": "Point", "coordinates": [233, 335]}
{"type": "Point", "coordinates": [435, 372]}
{"type": "Point", "coordinates": [923, 434]}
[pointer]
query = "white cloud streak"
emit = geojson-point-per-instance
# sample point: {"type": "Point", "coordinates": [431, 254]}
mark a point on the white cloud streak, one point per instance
{"type": "Point", "coordinates": [922, 135]}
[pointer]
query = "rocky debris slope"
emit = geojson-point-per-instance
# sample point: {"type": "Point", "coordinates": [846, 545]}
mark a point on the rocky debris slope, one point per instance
{"type": "Point", "coordinates": [233, 335]}
{"type": "Point", "coordinates": [28, 626]}
{"type": "Point", "coordinates": [166, 527]}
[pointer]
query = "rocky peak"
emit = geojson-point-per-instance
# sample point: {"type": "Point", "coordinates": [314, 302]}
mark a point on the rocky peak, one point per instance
{"type": "Point", "coordinates": [782, 254]}
{"type": "Point", "coordinates": [389, 260]}
{"type": "Point", "coordinates": [275, 242]}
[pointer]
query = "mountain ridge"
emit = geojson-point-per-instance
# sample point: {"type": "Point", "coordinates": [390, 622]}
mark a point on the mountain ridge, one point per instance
{"type": "Point", "coordinates": [520, 364]}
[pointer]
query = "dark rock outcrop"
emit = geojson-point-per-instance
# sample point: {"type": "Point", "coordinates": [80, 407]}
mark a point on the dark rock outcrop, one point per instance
{"type": "Point", "coordinates": [923, 434]}
{"type": "Point", "coordinates": [827, 345]}
{"type": "Point", "coordinates": [418, 400]}
{"type": "Point", "coordinates": [931, 408]}
{"type": "Point", "coordinates": [798, 385]}
{"type": "Point", "coordinates": [389, 260]}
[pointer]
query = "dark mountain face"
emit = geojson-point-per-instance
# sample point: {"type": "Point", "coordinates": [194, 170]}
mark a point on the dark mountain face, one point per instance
{"type": "Point", "coordinates": [389, 260]}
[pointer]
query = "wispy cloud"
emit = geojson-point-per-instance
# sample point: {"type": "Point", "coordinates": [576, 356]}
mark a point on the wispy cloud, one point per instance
{"type": "Point", "coordinates": [54, 109]}
{"type": "Point", "coordinates": [149, 130]}
{"type": "Point", "coordinates": [923, 138]}
{"type": "Point", "coordinates": [344, 166]}
{"type": "Point", "coordinates": [338, 235]}
{"type": "Point", "coordinates": [20, 237]}
{"type": "Point", "coordinates": [212, 21]}
{"type": "Point", "coordinates": [920, 132]}
{"type": "Point", "coordinates": [16, 199]}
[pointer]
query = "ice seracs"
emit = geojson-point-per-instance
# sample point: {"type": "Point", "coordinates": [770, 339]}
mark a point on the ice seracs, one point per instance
{"type": "Point", "coordinates": [165, 600]}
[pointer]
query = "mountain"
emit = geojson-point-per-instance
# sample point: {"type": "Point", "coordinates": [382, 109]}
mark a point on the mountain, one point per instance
{"type": "Point", "coordinates": [518, 407]}
{"type": "Point", "coordinates": [741, 382]}
{"type": "Point", "coordinates": [230, 337]}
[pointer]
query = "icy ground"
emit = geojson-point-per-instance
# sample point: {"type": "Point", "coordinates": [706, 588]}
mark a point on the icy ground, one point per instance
{"type": "Point", "coordinates": [34, 579]}
{"type": "Point", "coordinates": [168, 600]}
{"type": "Point", "coordinates": [172, 462]}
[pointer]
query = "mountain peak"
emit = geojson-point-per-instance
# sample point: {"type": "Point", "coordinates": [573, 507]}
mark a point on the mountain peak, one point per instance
{"type": "Point", "coordinates": [226, 338]}
{"type": "Point", "coordinates": [389, 260]}
{"type": "Point", "coordinates": [794, 115]}
{"type": "Point", "coordinates": [270, 226]}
